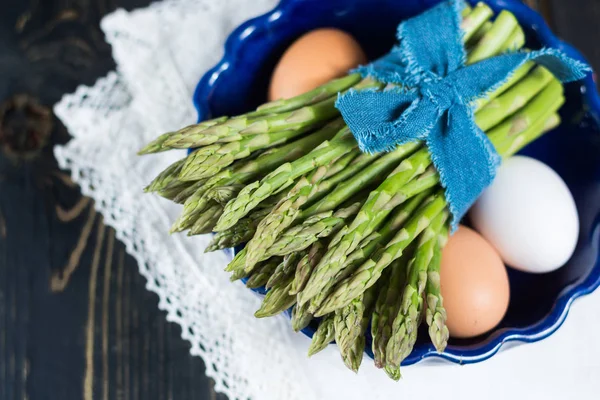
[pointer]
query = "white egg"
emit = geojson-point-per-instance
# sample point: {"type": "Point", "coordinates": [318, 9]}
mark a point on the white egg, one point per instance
{"type": "Point", "coordinates": [529, 215]}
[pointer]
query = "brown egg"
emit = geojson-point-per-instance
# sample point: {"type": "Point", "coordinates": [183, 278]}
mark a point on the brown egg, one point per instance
{"type": "Point", "coordinates": [474, 284]}
{"type": "Point", "coordinates": [314, 59]}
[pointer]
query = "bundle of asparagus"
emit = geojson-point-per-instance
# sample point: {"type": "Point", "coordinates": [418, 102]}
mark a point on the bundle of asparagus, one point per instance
{"type": "Point", "coordinates": [349, 240]}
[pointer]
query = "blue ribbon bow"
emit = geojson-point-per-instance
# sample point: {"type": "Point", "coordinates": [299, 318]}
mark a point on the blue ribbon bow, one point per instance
{"type": "Point", "coordinates": [430, 60]}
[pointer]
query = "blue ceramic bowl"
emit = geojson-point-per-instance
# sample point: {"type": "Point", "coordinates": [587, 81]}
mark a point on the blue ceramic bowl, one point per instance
{"type": "Point", "coordinates": [539, 303]}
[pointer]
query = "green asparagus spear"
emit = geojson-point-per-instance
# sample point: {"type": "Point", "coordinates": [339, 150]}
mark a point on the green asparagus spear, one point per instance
{"type": "Point", "coordinates": [285, 270]}
{"type": "Point", "coordinates": [521, 72]}
{"type": "Point", "coordinates": [435, 314]}
{"type": "Point", "coordinates": [261, 275]}
{"type": "Point", "coordinates": [237, 274]}
{"type": "Point", "coordinates": [284, 214]}
{"type": "Point", "coordinates": [300, 317]}
{"type": "Point", "coordinates": [282, 178]}
{"type": "Point", "coordinates": [515, 41]}
{"type": "Point", "coordinates": [245, 128]}
{"type": "Point", "coordinates": [369, 246]}
{"type": "Point", "coordinates": [324, 335]}
{"type": "Point", "coordinates": [238, 262]}
{"type": "Point", "coordinates": [305, 267]}
{"type": "Point", "coordinates": [350, 324]}
{"type": "Point", "coordinates": [380, 203]}
{"type": "Point", "coordinates": [173, 189]}
{"type": "Point", "coordinates": [473, 21]}
{"type": "Point", "coordinates": [491, 43]}
{"type": "Point", "coordinates": [165, 177]}
{"type": "Point", "coordinates": [238, 234]}
{"type": "Point", "coordinates": [361, 179]}
{"type": "Point", "coordinates": [319, 226]}
{"type": "Point", "coordinates": [189, 191]}
{"type": "Point", "coordinates": [157, 145]}
{"type": "Point", "coordinates": [514, 99]}
{"type": "Point", "coordinates": [328, 90]}
{"type": "Point", "coordinates": [487, 25]}
{"type": "Point", "coordinates": [508, 138]}
{"type": "Point", "coordinates": [207, 220]}
{"type": "Point", "coordinates": [368, 273]}
{"type": "Point", "coordinates": [277, 300]}
{"type": "Point", "coordinates": [404, 327]}
{"type": "Point", "coordinates": [209, 160]}
{"type": "Point", "coordinates": [387, 305]}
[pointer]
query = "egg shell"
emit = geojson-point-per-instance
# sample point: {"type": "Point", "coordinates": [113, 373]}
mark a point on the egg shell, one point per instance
{"type": "Point", "coordinates": [474, 284]}
{"type": "Point", "coordinates": [529, 216]}
{"type": "Point", "coordinates": [314, 59]}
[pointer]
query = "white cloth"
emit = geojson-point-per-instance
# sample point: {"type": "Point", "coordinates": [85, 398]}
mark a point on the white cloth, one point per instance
{"type": "Point", "coordinates": [161, 52]}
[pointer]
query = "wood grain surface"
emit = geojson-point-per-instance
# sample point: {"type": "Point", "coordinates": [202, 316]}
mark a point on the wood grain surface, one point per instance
{"type": "Point", "coordinates": [76, 321]}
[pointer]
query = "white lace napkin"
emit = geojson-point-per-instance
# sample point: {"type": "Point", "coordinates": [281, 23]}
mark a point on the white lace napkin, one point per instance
{"type": "Point", "coordinates": [161, 52]}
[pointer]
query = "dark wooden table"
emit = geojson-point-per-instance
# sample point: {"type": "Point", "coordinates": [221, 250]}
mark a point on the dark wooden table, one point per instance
{"type": "Point", "coordinates": [76, 321]}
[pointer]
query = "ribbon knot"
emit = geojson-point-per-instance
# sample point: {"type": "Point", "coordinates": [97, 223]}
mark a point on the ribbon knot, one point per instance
{"type": "Point", "coordinates": [442, 93]}
{"type": "Point", "coordinates": [434, 102]}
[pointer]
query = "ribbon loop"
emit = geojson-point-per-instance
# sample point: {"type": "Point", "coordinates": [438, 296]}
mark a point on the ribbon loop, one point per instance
{"type": "Point", "coordinates": [433, 104]}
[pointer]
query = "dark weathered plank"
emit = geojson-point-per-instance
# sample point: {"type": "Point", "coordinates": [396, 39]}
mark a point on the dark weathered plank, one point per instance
{"type": "Point", "coordinates": [76, 321]}
{"type": "Point", "coordinates": [576, 21]}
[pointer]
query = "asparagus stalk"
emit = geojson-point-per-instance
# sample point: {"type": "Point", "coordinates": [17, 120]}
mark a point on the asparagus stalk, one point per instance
{"type": "Point", "coordinates": [370, 271]}
{"type": "Point", "coordinates": [473, 21]}
{"type": "Point", "coordinates": [508, 137]}
{"type": "Point", "coordinates": [515, 41]}
{"type": "Point", "coordinates": [514, 99]}
{"type": "Point", "coordinates": [305, 267]}
{"type": "Point", "coordinates": [173, 189]}
{"type": "Point", "coordinates": [492, 42]}
{"type": "Point", "coordinates": [311, 230]}
{"type": "Point", "coordinates": [380, 203]}
{"type": "Point", "coordinates": [157, 145]}
{"type": "Point", "coordinates": [387, 305]}
{"type": "Point", "coordinates": [521, 72]}
{"type": "Point", "coordinates": [369, 246]}
{"type": "Point", "coordinates": [476, 37]}
{"type": "Point", "coordinates": [328, 90]}
{"type": "Point", "coordinates": [300, 317]}
{"type": "Point", "coordinates": [281, 178]}
{"type": "Point", "coordinates": [435, 314]}
{"type": "Point", "coordinates": [238, 262]}
{"type": "Point", "coordinates": [285, 270]}
{"type": "Point", "coordinates": [361, 179]}
{"type": "Point", "coordinates": [189, 191]}
{"type": "Point", "coordinates": [276, 300]}
{"type": "Point", "coordinates": [237, 274]}
{"type": "Point", "coordinates": [261, 275]}
{"type": "Point", "coordinates": [350, 324]}
{"type": "Point", "coordinates": [222, 194]}
{"type": "Point", "coordinates": [166, 177]}
{"type": "Point", "coordinates": [240, 233]}
{"type": "Point", "coordinates": [404, 327]}
{"type": "Point", "coordinates": [286, 212]}
{"type": "Point", "coordinates": [207, 220]}
{"type": "Point", "coordinates": [207, 161]}
{"type": "Point", "coordinates": [244, 128]}
{"type": "Point", "coordinates": [248, 170]}
{"type": "Point", "coordinates": [324, 335]}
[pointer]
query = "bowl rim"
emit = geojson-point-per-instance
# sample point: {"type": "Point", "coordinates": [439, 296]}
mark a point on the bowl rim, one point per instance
{"type": "Point", "coordinates": [481, 351]}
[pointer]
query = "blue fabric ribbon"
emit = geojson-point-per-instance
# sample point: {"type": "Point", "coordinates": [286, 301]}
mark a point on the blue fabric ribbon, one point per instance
{"type": "Point", "coordinates": [430, 60]}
